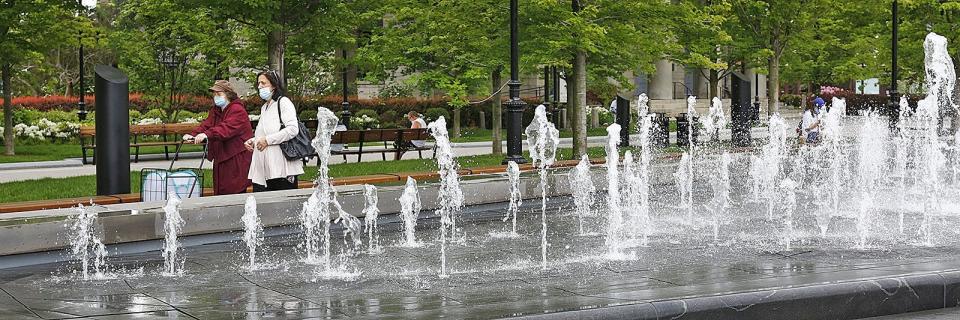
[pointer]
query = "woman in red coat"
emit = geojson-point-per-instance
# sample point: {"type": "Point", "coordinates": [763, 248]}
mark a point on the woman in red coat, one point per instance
{"type": "Point", "coordinates": [226, 128]}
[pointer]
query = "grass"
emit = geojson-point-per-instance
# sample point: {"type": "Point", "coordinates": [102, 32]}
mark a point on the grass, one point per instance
{"type": "Point", "coordinates": [56, 151]}
{"type": "Point", "coordinates": [479, 135]}
{"type": "Point", "coordinates": [83, 186]}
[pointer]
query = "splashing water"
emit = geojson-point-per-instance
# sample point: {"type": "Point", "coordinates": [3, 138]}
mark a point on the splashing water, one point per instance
{"type": "Point", "coordinates": [370, 214]}
{"type": "Point", "coordinates": [172, 224]}
{"type": "Point", "coordinates": [582, 188]}
{"type": "Point", "coordinates": [629, 190]}
{"type": "Point", "coordinates": [315, 216]}
{"type": "Point", "coordinates": [252, 231]}
{"type": "Point", "coordinates": [516, 198]}
{"type": "Point", "coordinates": [788, 188]}
{"type": "Point", "coordinates": [450, 196]}
{"type": "Point", "coordinates": [768, 170]}
{"type": "Point", "coordinates": [409, 211]}
{"type": "Point", "coordinates": [684, 180]}
{"type": "Point", "coordinates": [720, 183]}
{"type": "Point", "coordinates": [646, 131]}
{"type": "Point", "coordinates": [85, 243]}
{"type": "Point", "coordinates": [831, 131]}
{"type": "Point", "coordinates": [542, 139]}
{"type": "Point", "coordinates": [872, 136]}
{"type": "Point", "coordinates": [715, 120]}
{"type": "Point", "coordinates": [614, 228]}
{"type": "Point", "coordinates": [351, 225]}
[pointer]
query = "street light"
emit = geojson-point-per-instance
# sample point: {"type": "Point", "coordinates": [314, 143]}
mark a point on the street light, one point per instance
{"type": "Point", "coordinates": [82, 104]}
{"type": "Point", "coordinates": [514, 106]}
{"type": "Point", "coordinates": [345, 115]}
{"type": "Point", "coordinates": [168, 58]}
{"type": "Point", "coordinates": [894, 95]}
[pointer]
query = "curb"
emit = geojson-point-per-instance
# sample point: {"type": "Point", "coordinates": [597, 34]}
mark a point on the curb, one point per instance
{"type": "Point", "coordinates": [848, 299]}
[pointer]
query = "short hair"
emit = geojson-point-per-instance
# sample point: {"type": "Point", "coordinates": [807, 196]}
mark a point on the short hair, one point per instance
{"type": "Point", "coordinates": [278, 89]}
{"type": "Point", "coordinates": [231, 95]}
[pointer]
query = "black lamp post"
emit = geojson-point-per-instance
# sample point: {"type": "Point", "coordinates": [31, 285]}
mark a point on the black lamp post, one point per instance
{"type": "Point", "coordinates": [546, 93]}
{"type": "Point", "coordinates": [894, 73]}
{"type": "Point", "coordinates": [82, 104]}
{"type": "Point", "coordinates": [556, 97]}
{"type": "Point", "coordinates": [345, 115]}
{"type": "Point", "coordinates": [515, 106]}
{"type": "Point", "coordinates": [168, 58]}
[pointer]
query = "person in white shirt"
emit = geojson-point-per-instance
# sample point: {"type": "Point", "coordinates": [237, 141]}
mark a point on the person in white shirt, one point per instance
{"type": "Point", "coordinates": [810, 124]}
{"type": "Point", "coordinates": [270, 169]}
{"type": "Point", "coordinates": [416, 122]}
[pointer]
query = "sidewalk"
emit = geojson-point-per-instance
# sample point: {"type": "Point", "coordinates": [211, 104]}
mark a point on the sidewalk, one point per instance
{"type": "Point", "coordinates": [73, 167]}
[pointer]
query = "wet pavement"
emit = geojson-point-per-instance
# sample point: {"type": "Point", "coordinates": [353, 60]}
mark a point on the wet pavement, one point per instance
{"type": "Point", "coordinates": [747, 272]}
{"type": "Point", "coordinates": [492, 275]}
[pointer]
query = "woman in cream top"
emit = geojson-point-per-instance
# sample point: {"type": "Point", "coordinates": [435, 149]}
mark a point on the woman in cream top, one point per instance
{"type": "Point", "coordinates": [270, 170]}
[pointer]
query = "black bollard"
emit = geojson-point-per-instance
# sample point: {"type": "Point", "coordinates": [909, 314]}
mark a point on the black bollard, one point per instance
{"type": "Point", "coordinates": [661, 135]}
{"type": "Point", "coordinates": [113, 131]}
{"type": "Point", "coordinates": [741, 110]}
{"type": "Point", "coordinates": [683, 130]}
{"type": "Point", "coordinates": [623, 119]}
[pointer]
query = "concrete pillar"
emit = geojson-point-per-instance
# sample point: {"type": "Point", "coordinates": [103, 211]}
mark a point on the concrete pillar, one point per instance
{"type": "Point", "coordinates": [701, 84]}
{"type": "Point", "coordinates": [661, 84]}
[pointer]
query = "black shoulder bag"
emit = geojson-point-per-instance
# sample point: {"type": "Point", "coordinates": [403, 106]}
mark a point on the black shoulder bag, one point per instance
{"type": "Point", "coordinates": [299, 147]}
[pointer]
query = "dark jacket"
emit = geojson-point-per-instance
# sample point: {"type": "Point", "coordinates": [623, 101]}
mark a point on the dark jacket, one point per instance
{"type": "Point", "coordinates": [226, 132]}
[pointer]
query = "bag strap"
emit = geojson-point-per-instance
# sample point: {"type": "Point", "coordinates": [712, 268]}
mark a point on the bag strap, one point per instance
{"type": "Point", "coordinates": [280, 115]}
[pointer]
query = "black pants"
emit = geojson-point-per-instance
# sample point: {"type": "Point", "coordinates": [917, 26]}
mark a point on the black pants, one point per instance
{"type": "Point", "coordinates": [276, 184]}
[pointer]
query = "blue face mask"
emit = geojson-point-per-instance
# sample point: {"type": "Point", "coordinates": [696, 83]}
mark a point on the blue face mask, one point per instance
{"type": "Point", "coordinates": [266, 93]}
{"type": "Point", "coordinates": [220, 101]}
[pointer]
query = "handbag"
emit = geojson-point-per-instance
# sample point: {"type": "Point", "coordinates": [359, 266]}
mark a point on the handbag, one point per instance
{"type": "Point", "coordinates": [299, 147]}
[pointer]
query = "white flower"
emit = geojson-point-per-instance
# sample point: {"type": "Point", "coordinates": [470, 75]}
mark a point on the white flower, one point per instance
{"type": "Point", "coordinates": [254, 117]}
{"type": "Point", "coordinates": [190, 120]}
{"type": "Point", "coordinates": [146, 121]}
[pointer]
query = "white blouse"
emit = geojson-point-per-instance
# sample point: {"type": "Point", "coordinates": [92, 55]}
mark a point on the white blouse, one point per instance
{"type": "Point", "coordinates": [271, 163]}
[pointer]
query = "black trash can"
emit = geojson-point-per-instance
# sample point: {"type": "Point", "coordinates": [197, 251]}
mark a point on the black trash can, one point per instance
{"type": "Point", "coordinates": [661, 129]}
{"type": "Point", "coordinates": [683, 130]}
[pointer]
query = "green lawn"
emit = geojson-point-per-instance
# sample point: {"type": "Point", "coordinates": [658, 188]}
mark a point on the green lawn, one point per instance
{"type": "Point", "coordinates": [58, 188]}
{"type": "Point", "coordinates": [476, 135]}
{"type": "Point", "coordinates": [53, 151]}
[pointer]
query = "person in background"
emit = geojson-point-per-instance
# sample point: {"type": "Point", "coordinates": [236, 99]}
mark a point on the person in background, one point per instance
{"type": "Point", "coordinates": [416, 122]}
{"type": "Point", "coordinates": [225, 130]}
{"type": "Point", "coordinates": [810, 124]}
{"type": "Point", "coordinates": [270, 169]}
{"type": "Point", "coordinates": [819, 103]}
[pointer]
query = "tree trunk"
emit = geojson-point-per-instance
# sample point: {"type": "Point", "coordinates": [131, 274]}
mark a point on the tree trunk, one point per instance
{"type": "Point", "coordinates": [714, 90]}
{"type": "Point", "coordinates": [275, 51]}
{"type": "Point", "coordinates": [7, 111]}
{"type": "Point", "coordinates": [773, 91]}
{"type": "Point", "coordinates": [580, 101]}
{"type": "Point", "coordinates": [456, 122]}
{"type": "Point", "coordinates": [496, 111]}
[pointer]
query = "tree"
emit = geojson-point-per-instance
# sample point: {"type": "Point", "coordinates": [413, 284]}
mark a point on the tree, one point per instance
{"type": "Point", "coordinates": [274, 23]}
{"type": "Point", "coordinates": [457, 47]}
{"type": "Point", "coordinates": [775, 26]}
{"type": "Point", "coordinates": [704, 28]}
{"type": "Point", "coordinates": [597, 39]}
{"type": "Point", "coordinates": [25, 34]}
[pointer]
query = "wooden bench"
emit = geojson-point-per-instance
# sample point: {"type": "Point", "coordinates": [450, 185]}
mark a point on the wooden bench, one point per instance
{"type": "Point", "coordinates": [138, 131]}
{"type": "Point", "coordinates": [395, 141]}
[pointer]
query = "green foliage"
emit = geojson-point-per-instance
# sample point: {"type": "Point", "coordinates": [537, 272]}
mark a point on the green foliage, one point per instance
{"type": "Point", "coordinates": [792, 100]}
{"type": "Point", "coordinates": [433, 114]}
{"type": "Point", "coordinates": [308, 114]}
{"type": "Point", "coordinates": [366, 112]}
{"type": "Point", "coordinates": [155, 113]}
{"type": "Point", "coordinates": [389, 119]}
